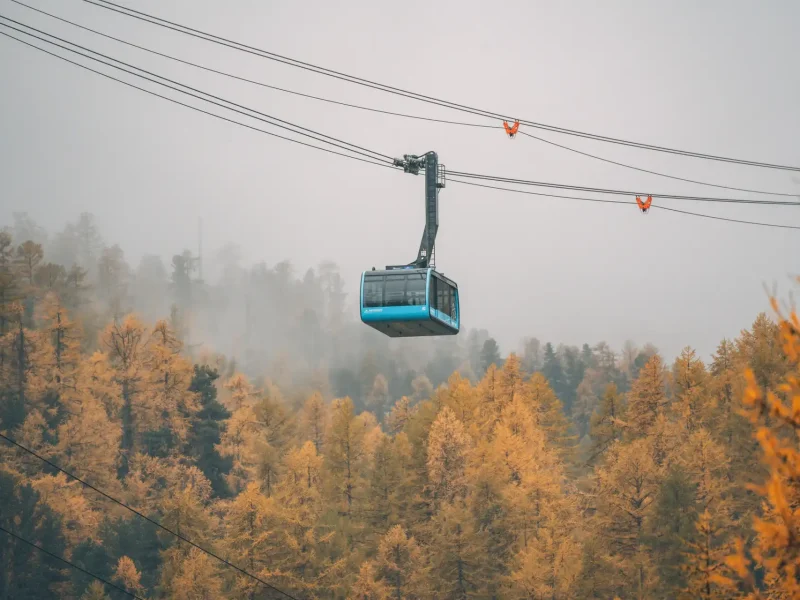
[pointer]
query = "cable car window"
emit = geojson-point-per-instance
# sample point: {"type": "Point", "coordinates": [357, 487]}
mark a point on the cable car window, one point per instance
{"type": "Point", "coordinates": [415, 289]}
{"type": "Point", "coordinates": [395, 290]}
{"type": "Point", "coordinates": [373, 290]}
{"type": "Point", "coordinates": [442, 296]}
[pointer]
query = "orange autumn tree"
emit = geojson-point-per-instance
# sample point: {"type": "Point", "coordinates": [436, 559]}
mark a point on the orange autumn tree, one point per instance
{"type": "Point", "coordinates": [775, 414]}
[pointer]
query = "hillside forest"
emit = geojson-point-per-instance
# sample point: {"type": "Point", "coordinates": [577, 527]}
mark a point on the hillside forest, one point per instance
{"type": "Point", "coordinates": [288, 451]}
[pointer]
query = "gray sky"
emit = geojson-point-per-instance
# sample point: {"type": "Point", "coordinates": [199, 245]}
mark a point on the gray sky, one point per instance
{"type": "Point", "coordinates": [717, 77]}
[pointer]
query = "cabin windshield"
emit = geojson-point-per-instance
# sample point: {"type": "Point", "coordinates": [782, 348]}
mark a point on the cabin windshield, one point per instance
{"type": "Point", "coordinates": [444, 297]}
{"type": "Point", "coordinates": [402, 289]}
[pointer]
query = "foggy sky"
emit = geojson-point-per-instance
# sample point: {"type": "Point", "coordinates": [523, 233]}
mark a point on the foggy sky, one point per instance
{"type": "Point", "coordinates": [716, 77]}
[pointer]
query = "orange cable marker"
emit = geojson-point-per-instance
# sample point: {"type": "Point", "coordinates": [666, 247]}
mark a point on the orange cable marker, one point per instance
{"type": "Point", "coordinates": [644, 206]}
{"type": "Point", "coordinates": [511, 130]}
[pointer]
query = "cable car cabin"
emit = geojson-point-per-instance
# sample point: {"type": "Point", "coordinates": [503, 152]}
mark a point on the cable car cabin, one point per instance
{"type": "Point", "coordinates": [409, 302]}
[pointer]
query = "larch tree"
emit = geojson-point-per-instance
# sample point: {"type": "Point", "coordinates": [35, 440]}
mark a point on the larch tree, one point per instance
{"type": "Point", "coordinates": [401, 565]}
{"type": "Point", "coordinates": [423, 388]}
{"type": "Point", "coordinates": [128, 576]}
{"type": "Point", "coordinates": [367, 586]}
{"type": "Point", "coordinates": [458, 564]}
{"type": "Point", "coordinates": [315, 420]}
{"type": "Point", "coordinates": [61, 366]}
{"type": "Point", "coordinates": [460, 397]}
{"type": "Point", "coordinates": [401, 412]}
{"type": "Point", "coordinates": [125, 346]}
{"type": "Point", "coordinates": [647, 397]}
{"type": "Point", "coordinates": [706, 463]}
{"type": "Point", "coordinates": [771, 406]}
{"type": "Point", "coordinates": [241, 442]}
{"type": "Point", "coordinates": [23, 352]}
{"type": "Point", "coordinates": [627, 486]}
{"type": "Point", "coordinates": [548, 414]}
{"type": "Point", "coordinates": [385, 476]}
{"type": "Point", "coordinates": [29, 255]}
{"type": "Point", "coordinates": [448, 448]}
{"type": "Point", "coordinates": [378, 399]}
{"type": "Point", "coordinates": [168, 401]}
{"type": "Point", "coordinates": [95, 591]}
{"type": "Point", "coordinates": [549, 567]}
{"type": "Point", "coordinates": [345, 453]}
{"type": "Point", "coordinates": [299, 550]}
{"type": "Point", "coordinates": [196, 578]}
{"type": "Point", "coordinates": [607, 423]}
{"type": "Point", "coordinates": [691, 399]}
{"type": "Point", "coordinates": [251, 524]}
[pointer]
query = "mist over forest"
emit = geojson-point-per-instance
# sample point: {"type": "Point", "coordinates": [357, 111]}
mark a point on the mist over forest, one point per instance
{"type": "Point", "coordinates": [295, 326]}
{"type": "Point", "coordinates": [172, 433]}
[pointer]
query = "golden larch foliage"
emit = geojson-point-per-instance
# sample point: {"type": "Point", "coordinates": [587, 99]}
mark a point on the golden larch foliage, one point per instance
{"type": "Point", "coordinates": [775, 414]}
{"type": "Point", "coordinates": [448, 446]}
{"type": "Point", "coordinates": [128, 576]}
{"type": "Point", "coordinates": [647, 397]}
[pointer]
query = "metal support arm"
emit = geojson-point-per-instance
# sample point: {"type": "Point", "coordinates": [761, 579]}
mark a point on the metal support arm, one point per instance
{"type": "Point", "coordinates": [434, 181]}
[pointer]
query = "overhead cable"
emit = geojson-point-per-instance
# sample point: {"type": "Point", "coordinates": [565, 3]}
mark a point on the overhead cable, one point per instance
{"type": "Point", "coordinates": [413, 95]}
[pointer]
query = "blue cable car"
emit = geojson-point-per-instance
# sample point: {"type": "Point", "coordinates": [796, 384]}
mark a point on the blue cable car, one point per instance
{"type": "Point", "coordinates": [414, 300]}
{"type": "Point", "coordinates": [409, 302]}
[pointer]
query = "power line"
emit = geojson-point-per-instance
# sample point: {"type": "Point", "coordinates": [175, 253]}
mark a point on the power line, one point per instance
{"type": "Point", "coordinates": [613, 192]}
{"type": "Point", "coordinates": [146, 518]}
{"type": "Point", "coordinates": [325, 149]}
{"type": "Point", "coordinates": [458, 173]}
{"type": "Point", "coordinates": [675, 177]}
{"type": "Point", "coordinates": [627, 202]}
{"type": "Point", "coordinates": [252, 81]}
{"type": "Point", "coordinates": [343, 145]}
{"type": "Point", "coordinates": [387, 112]}
{"type": "Point", "coordinates": [200, 110]}
{"type": "Point", "coordinates": [106, 4]}
{"type": "Point", "coordinates": [68, 563]}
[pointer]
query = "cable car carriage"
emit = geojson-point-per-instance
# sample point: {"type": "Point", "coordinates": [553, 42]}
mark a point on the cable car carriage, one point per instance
{"type": "Point", "coordinates": [414, 300]}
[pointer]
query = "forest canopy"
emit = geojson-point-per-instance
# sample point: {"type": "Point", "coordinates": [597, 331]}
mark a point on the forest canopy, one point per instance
{"type": "Point", "coordinates": [255, 417]}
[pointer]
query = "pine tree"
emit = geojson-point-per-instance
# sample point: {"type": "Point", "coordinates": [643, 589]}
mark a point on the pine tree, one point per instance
{"type": "Point", "coordinates": [205, 430]}
{"type": "Point", "coordinates": [29, 255]}
{"type": "Point", "coordinates": [490, 355]}
{"type": "Point", "coordinates": [27, 572]}
{"type": "Point", "coordinates": [21, 370]}
{"type": "Point", "coordinates": [552, 369]}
